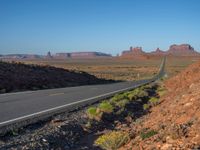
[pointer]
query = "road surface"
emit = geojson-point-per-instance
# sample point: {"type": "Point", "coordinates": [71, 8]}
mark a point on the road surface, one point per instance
{"type": "Point", "coordinates": [16, 107]}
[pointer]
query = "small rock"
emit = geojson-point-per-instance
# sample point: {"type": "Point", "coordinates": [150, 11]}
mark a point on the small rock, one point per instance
{"type": "Point", "coordinates": [188, 104]}
{"type": "Point", "coordinates": [44, 140]}
{"type": "Point", "coordinates": [169, 139]}
{"type": "Point", "coordinates": [166, 147]}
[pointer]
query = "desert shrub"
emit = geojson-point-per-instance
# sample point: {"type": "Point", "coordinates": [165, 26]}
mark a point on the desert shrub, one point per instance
{"type": "Point", "coordinates": [145, 106]}
{"type": "Point", "coordinates": [145, 87]}
{"type": "Point", "coordinates": [122, 103]}
{"type": "Point", "coordinates": [94, 113]}
{"type": "Point", "coordinates": [118, 97]}
{"type": "Point", "coordinates": [142, 94]}
{"type": "Point", "coordinates": [139, 93]}
{"type": "Point", "coordinates": [154, 101]}
{"type": "Point", "coordinates": [105, 106]}
{"type": "Point", "coordinates": [112, 140]}
{"type": "Point", "coordinates": [148, 134]}
{"type": "Point", "coordinates": [132, 96]}
{"type": "Point", "coordinates": [161, 91]}
{"type": "Point", "coordinates": [88, 124]}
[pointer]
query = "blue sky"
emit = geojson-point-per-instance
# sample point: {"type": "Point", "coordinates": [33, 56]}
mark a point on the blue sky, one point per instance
{"type": "Point", "coordinates": [38, 26]}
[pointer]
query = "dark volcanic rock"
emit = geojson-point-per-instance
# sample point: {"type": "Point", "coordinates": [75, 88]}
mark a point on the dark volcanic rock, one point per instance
{"type": "Point", "coordinates": [19, 77]}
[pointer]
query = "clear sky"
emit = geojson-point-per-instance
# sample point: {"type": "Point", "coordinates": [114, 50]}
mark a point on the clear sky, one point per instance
{"type": "Point", "coordinates": [38, 26]}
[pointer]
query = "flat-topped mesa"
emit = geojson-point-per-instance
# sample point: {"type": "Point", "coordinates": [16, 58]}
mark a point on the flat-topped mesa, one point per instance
{"type": "Point", "coordinates": [81, 55]}
{"type": "Point", "coordinates": [182, 50]}
{"type": "Point", "coordinates": [21, 56]}
{"type": "Point", "coordinates": [133, 51]}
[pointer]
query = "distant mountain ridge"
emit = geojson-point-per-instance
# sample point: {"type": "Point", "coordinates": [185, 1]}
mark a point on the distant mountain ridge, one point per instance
{"type": "Point", "coordinates": [56, 56]}
{"type": "Point", "coordinates": [133, 52]}
{"type": "Point", "coordinates": [174, 50]}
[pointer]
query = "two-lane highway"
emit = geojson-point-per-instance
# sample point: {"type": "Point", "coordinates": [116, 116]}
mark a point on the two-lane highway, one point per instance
{"type": "Point", "coordinates": [16, 107]}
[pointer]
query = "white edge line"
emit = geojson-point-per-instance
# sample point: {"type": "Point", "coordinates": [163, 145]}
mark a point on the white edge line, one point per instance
{"type": "Point", "coordinates": [88, 99]}
{"type": "Point", "coordinates": [62, 106]}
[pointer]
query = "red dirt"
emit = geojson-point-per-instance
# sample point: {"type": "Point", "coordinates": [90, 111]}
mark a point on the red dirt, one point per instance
{"type": "Point", "coordinates": [176, 118]}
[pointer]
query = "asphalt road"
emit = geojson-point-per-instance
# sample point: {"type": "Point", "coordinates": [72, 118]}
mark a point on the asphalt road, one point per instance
{"type": "Point", "coordinates": [15, 107]}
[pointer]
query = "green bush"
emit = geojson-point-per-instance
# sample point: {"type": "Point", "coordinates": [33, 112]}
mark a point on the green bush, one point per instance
{"type": "Point", "coordinates": [161, 91]}
{"type": "Point", "coordinates": [117, 98]}
{"type": "Point", "coordinates": [154, 101]}
{"type": "Point", "coordinates": [112, 140]}
{"type": "Point", "coordinates": [94, 113]}
{"type": "Point", "coordinates": [142, 94]}
{"type": "Point", "coordinates": [148, 134]}
{"type": "Point", "coordinates": [145, 106]}
{"type": "Point", "coordinates": [132, 96]}
{"type": "Point", "coordinates": [122, 103]}
{"type": "Point", "coordinates": [106, 107]}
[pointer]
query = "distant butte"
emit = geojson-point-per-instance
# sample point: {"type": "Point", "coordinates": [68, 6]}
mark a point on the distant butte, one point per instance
{"type": "Point", "coordinates": [174, 50]}
{"type": "Point", "coordinates": [182, 50]}
{"type": "Point", "coordinates": [158, 52]}
{"type": "Point", "coordinates": [132, 53]}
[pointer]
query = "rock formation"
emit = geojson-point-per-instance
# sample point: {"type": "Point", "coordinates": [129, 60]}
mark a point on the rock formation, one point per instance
{"type": "Point", "coordinates": [182, 50]}
{"type": "Point", "coordinates": [158, 52]}
{"type": "Point", "coordinates": [133, 52]}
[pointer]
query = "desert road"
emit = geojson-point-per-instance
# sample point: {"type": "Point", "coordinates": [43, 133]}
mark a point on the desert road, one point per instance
{"type": "Point", "coordinates": [21, 106]}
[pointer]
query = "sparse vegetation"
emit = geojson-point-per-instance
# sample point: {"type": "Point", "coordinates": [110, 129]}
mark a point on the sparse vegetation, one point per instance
{"type": "Point", "coordinates": [154, 101]}
{"type": "Point", "coordinates": [117, 103]}
{"type": "Point", "coordinates": [122, 103]}
{"type": "Point", "coordinates": [148, 134]}
{"type": "Point", "coordinates": [112, 140]}
{"type": "Point", "coordinates": [94, 113]}
{"type": "Point", "coordinates": [161, 91]}
{"type": "Point", "coordinates": [106, 107]}
{"type": "Point", "coordinates": [146, 106]}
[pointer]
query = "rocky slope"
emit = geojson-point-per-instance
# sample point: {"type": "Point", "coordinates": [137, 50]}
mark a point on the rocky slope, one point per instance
{"type": "Point", "coordinates": [176, 119]}
{"type": "Point", "coordinates": [20, 77]}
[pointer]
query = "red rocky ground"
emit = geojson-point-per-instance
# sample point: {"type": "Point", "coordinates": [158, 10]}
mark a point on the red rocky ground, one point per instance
{"type": "Point", "coordinates": [176, 118]}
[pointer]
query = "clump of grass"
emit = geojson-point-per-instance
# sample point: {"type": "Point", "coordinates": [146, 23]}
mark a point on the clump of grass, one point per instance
{"type": "Point", "coordinates": [118, 97]}
{"type": "Point", "coordinates": [148, 134]}
{"type": "Point", "coordinates": [146, 106]}
{"type": "Point", "coordinates": [94, 113]}
{"type": "Point", "coordinates": [106, 107]}
{"type": "Point", "coordinates": [112, 140]}
{"type": "Point", "coordinates": [142, 94]}
{"type": "Point", "coordinates": [132, 96]}
{"type": "Point", "coordinates": [154, 101]}
{"type": "Point", "coordinates": [122, 103]}
{"type": "Point", "coordinates": [148, 86]}
{"type": "Point", "coordinates": [161, 91]}
{"type": "Point", "coordinates": [88, 124]}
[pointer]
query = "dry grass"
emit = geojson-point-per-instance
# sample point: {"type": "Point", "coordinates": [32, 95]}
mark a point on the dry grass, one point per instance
{"type": "Point", "coordinates": [119, 69]}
